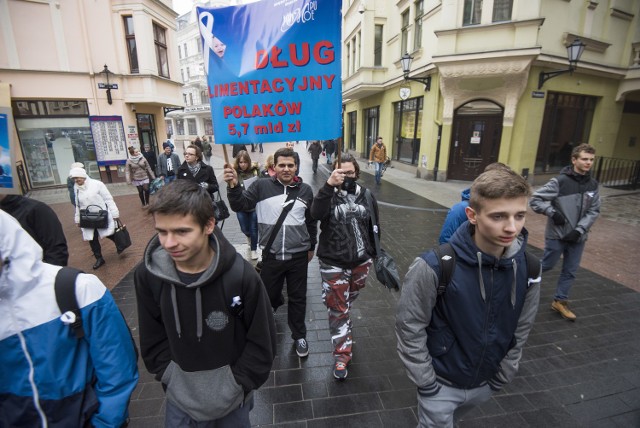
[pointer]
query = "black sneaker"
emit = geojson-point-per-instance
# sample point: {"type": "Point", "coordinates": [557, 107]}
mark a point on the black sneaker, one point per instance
{"type": "Point", "coordinates": [340, 371]}
{"type": "Point", "coordinates": [302, 347]}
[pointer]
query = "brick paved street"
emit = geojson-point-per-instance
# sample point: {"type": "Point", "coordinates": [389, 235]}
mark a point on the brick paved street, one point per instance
{"type": "Point", "coordinates": [582, 374]}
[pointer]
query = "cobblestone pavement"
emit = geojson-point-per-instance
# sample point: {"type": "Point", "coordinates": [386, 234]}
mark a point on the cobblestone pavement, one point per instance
{"type": "Point", "coordinates": [582, 374]}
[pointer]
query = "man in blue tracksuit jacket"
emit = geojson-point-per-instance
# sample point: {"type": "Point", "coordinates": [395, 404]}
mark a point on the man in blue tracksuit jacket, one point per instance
{"type": "Point", "coordinates": [49, 377]}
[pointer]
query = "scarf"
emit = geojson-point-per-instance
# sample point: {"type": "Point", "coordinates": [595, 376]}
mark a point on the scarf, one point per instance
{"type": "Point", "coordinates": [135, 159]}
{"type": "Point", "coordinates": [194, 168]}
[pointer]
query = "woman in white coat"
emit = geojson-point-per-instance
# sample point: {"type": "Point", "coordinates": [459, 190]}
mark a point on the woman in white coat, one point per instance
{"type": "Point", "coordinates": [94, 192]}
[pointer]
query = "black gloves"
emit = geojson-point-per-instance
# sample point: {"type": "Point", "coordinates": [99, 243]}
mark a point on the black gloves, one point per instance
{"type": "Point", "coordinates": [558, 219]}
{"type": "Point", "coordinates": [573, 236]}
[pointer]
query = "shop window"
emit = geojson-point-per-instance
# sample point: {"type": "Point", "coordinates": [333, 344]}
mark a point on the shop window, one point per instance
{"type": "Point", "coordinates": [566, 124]}
{"type": "Point", "coordinates": [353, 126]}
{"type": "Point", "coordinates": [472, 12]}
{"type": "Point", "coordinates": [180, 126]}
{"type": "Point", "coordinates": [160, 40]}
{"type": "Point", "coordinates": [404, 33]}
{"type": "Point", "coordinates": [407, 126]}
{"type": "Point", "coordinates": [208, 126]}
{"type": "Point", "coordinates": [130, 39]}
{"type": "Point", "coordinates": [417, 38]}
{"type": "Point", "coordinates": [502, 10]}
{"type": "Point", "coordinates": [377, 46]}
{"type": "Point", "coordinates": [191, 127]}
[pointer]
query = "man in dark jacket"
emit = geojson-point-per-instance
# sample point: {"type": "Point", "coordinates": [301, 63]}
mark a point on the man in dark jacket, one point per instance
{"type": "Point", "coordinates": [459, 346]}
{"type": "Point", "coordinates": [206, 327]}
{"type": "Point", "coordinates": [572, 204]}
{"type": "Point", "coordinates": [315, 149]}
{"type": "Point", "coordinates": [168, 164]}
{"type": "Point", "coordinates": [42, 223]}
{"type": "Point", "coordinates": [329, 148]}
{"type": "Point", "coordinates": [345, 250]}
{"type": "Point", "coordinates": [294, 243]}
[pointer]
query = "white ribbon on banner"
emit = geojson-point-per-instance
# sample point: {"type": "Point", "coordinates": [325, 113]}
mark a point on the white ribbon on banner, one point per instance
{"type": "Point", "coordinates": [206, 31]}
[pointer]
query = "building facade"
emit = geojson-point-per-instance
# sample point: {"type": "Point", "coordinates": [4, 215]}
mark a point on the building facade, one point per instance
{"type": "Point", "coordinates": [195, 119]}
{"type": "Point", "coordinates": [483, 101]}
{"type": "Point", "coordinates": [93, 79]}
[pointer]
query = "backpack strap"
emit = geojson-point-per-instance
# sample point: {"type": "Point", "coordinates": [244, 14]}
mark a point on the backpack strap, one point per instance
{"type": "Point", "coordinates": [447, 261]}
{"type": "Point", "coordinates": [534, 268]}
{"type": "Point", "coordinates": [230, 286]}
{"type": "Point", "coordinates": [65, 290]}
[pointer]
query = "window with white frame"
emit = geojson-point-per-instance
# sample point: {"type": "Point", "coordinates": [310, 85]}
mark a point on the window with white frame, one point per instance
{"type": "Point", "coordinates": [417, 33]}
{"type": "Point", "coordinates": [404, 33]}
{"type": "Point", "coordinates": [160, 40]}
{"type": "Point", "coordinates": [130, 38]}
{"type": "Point", "coordinates": [191, 127]}
{"type": "Point", "coordinates": [377, 45]}
{"type": "Point", "coordinates": [353, 55]}
{"type": "Point", "coordinates": [502, 10]}
{"type": "Point", "coordinates": [472, 12]}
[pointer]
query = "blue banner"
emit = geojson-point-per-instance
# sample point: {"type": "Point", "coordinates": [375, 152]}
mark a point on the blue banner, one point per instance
{"type": "Point", "coordinates": [6, 165]}
{"type": "Point", "coordinates": [273, 70]}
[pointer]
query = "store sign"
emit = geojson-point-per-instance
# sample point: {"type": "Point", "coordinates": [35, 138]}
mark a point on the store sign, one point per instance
{"type": "Point", "coordinates": [109, 139]}
{"type": "Point", "coordinates": [196, 109]}
{"type": "Point", "coordinates": [132, 136]}
{"type": "Point", "coordinates": [107, 86]}
{"type": "Point", "coordinates": [273, 70]}
{"type": "Point", "coordinates": [537, 94]}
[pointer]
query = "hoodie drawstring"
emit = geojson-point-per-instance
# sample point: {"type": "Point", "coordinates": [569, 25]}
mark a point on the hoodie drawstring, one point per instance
{"type": "Point", "coordinates": [514, 264]}
{"type": "Point", "coordinates": [176, 315]}
{"type": "Point", "coordinates": [480, 279]}
{"type": "Point", "coordinates": [199, 313]}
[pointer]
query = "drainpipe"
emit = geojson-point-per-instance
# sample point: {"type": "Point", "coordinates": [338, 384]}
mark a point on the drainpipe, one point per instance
{"type": "Point", "coordinates": [435, 167]}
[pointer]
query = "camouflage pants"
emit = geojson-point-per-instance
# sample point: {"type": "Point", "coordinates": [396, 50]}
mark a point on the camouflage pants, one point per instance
{"type": "Point", "coordinates": [340, 288]}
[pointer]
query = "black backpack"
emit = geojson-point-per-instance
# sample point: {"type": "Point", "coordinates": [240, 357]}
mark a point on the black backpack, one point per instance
{"type": "Point", "coordinates": [65, 290]}
{"type": "Point", "coordinates": [447, 264]}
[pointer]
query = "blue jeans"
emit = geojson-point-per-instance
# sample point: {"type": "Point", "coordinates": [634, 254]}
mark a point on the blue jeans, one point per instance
{"type": "Point", "coordinates": [378, 166]}
{"type": "Point", "coordinates": [176, 418]}
{"type": "Point", "coordinates": [329, 157]}
{"type": "Point", "coordinates": [572, 253]}
{"type": "Point", "coordinates": [169, 178]}
{"type": "Point", "coordinates": [249, 225]}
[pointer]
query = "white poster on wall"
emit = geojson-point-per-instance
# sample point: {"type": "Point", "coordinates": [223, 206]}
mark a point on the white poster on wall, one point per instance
{"type": "Point", "coordinates": [109, 140]}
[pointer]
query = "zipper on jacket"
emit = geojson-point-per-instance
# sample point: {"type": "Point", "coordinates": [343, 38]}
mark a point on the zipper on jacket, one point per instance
{"type": "Point", "coordinates": [485, 327]}
{"type": "Point", "coordinates": [34, 387]}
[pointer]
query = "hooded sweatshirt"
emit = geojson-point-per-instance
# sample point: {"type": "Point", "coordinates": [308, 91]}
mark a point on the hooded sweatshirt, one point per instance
{"type": "Point", "coordinates": [474, 334]}
{"type": "Point", "coordinates": [455, 217]}
{"type": "Point", "coordinates": [208, 358]}
{"type": "Point", "coordinates": [47, 374]}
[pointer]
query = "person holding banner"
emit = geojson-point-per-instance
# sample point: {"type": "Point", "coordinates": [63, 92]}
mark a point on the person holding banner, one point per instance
{"type": "Point", "coordinates": [247, 174]}
{"type": "Point", "coordinates": [294, 240]}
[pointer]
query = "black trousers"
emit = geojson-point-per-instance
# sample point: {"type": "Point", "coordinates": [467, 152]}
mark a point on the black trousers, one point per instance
{"type": "Point", "coordinates": [273, 274]}
{"type": "Point", "coordinates": [95, 244]}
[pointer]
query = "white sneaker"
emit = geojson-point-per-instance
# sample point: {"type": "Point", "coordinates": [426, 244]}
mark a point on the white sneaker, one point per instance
{"type": "Point", "coordinates": [254, 255]}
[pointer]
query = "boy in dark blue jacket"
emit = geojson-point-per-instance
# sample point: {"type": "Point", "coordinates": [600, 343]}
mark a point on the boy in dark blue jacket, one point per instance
{"type": "Point", "coordinates": [459, 346]}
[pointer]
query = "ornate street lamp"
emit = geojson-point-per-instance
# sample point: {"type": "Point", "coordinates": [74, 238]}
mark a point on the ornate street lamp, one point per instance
{"type": "Point", "coordinates": [574, 52]}
{"type": "Point", "coordinates": [406, 67]}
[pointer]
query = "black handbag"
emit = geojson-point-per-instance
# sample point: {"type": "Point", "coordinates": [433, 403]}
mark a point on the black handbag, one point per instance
{"type": "Point", "coordinates": [97, 218]}
{"type": "Point", "coordinates": [384, 265]}
{"type": "Point", "coordinates": [220, 209]}
{"type": "Point", "coordinates": [121, 237]}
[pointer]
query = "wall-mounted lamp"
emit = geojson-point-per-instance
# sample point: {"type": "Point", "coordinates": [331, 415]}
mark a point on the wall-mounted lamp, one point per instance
{"type": "Point", "coordinates": [108, 86]}
{"type": "Point", "coordinates": [362, 8]}
{"type": "Point", "coordinates": [406, 68]}
{"type": "Point", "coordinates": [574, 52]}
